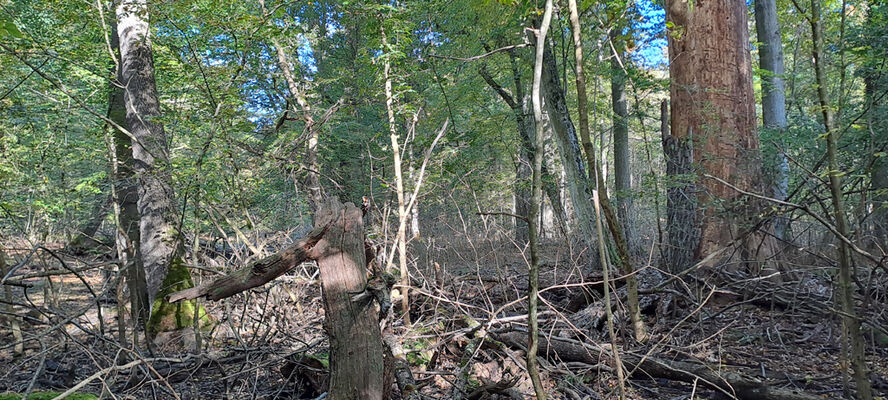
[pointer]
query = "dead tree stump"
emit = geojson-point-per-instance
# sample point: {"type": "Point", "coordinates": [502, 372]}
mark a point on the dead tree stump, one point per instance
{"type": "Point", "coordinates": [337, 243]}
{"type": "Point", "coordinates": [356, 363]}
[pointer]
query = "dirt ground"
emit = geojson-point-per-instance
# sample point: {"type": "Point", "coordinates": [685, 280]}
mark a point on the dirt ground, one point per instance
{"type": "Point", "coordinates": [264, 335]}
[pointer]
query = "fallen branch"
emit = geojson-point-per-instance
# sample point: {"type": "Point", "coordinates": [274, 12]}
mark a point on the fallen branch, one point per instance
{"type": "Point", "coordinates": [731, 383]}
{"type": "Point", "coordinates": [257, 273]}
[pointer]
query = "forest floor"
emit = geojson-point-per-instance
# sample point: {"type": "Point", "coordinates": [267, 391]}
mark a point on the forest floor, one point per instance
{"type": "Point", "coordinates": [263, 335]}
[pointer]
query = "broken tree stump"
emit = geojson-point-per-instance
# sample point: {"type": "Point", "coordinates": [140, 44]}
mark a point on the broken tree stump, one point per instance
{"type": "Point", "coordinates": [337, 243]}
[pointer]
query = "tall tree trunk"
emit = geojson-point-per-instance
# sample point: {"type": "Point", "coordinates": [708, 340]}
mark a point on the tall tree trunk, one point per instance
{"type": "Point", "coordinates": [160, 243]}
{"type": "Point", "coordinates": [536, 203]}
{"type": "Point", "coordinates": [850, 321]}
{"type": "Point", "coordinates": [622, 171]}
{"type": "Point", "coordinates": [159, 237]}
{"type": "Point", "coordinates": [312, 176]}
{"type": "Point", "coordinates": [713, 125]}
{"type": "Point", "coordinates": [401, 237]}
{"type": "Point", "coordinates": [126, 195]}
{"type": "Point", "coordinates": [773, 97]}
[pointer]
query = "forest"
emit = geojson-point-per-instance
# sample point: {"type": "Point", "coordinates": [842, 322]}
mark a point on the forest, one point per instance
{"type": "Point", "coordinates": [444, 199]}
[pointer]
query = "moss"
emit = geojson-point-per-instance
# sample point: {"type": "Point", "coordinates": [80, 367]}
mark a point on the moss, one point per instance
{"type": "Point", "coordinates": [166, 316]}
{"type": "Point", "coordinates": [47, 396]}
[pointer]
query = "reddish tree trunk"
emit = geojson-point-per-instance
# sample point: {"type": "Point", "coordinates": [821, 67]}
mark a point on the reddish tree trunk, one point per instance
{"type": "Point", "coordinates": [713, 117]}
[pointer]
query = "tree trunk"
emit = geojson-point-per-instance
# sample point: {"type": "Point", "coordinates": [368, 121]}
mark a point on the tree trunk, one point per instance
{"type": "Point", "coordinates": [577, 183]}
{"type": "Point", "coordinates": [401, 237]}
{"type": "Point", "coordinates": [160, 248]}
{"type": "Point", "coordinates": [536, 202]}
{"type": "Point", "coordinates": [850, 321]}
{"type": "Point", "coordinates": [713, 125]}
{"type": "Point", "coordinates": [337, 243]}
{"type": "Point", "coordinates": [773, 97]}
{"type": "Point", "coordinates": [681, 205]}
{"type": "Point", "coordinates": [126, 195]}
{"type": "Point", "coordinates": [622, 171]}
{"type": "Point", "coordinates": [157, 208]}
{"type": "Point", "coordinates": [312, 176]}
{"type": "Point", "coordinates": [356, 364]}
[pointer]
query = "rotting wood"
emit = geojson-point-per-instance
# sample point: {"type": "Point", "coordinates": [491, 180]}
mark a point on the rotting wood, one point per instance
{"type": "Point", "coordinates": [731, 383]}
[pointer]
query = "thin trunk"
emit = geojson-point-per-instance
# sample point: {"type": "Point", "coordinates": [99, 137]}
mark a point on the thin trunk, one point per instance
{"type": "Point", "coordinates": [596, 198]}
{"type": "Point", "coordinates": [312, 177]}
{"type": "Point", "coordinates": [619, 237]}
{"type": "Point", "coordinates": [414, 211]}
{"type": "Point", "coordinates": [401, 237]}
{"type": "Point", "coordinates": [846, 292]}
{"type": "Point", "coordinates": [773, 97]}
{"type": "Point", "coordinates": [536, 201]}
{"type": "Point", "coordinates": [622, 171]}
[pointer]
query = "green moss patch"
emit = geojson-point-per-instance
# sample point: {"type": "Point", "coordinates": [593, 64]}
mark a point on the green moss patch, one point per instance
{"type": "Point", "coordinates": [168, 317]}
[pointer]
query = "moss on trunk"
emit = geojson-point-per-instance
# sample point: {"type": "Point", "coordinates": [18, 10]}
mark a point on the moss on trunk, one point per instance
{"type": "Point", "coordinates": [166, 316]}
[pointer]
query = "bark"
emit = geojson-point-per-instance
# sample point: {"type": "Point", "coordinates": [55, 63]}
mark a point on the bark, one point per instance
{"type": "Point", "coordinates": [536, 202]}
{"type": "Point", "coordinates": [713, 119]}
{"type": "Point", "coordinates": [681, 202]}
{"type": "Point", "coordinates": [568, 147]}
{"type": "Point", "coordinates": [401, 237]}
{"type": "Point", "coordinates": [126, 195]}
{"type": "Point", "coordinates": [773, 96]}
{"type": "Point", "coordinates": [646, 367]}
{"type": "Point", "coordinates": [622, 171]}
{"type": "Point", "coordinates": [356, 347]}
{"type": "Point", "coordinates": [850, 321]}
{"type": "Point", "coordinates": [160, 243]}
{"type": "Point", "coordinates": [159, 239]}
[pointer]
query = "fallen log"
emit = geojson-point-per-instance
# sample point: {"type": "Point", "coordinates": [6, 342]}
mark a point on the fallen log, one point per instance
{"type": "Point", "coordinates": [258, 273]}
{"type": "Point", "coordinates": [730, 383]}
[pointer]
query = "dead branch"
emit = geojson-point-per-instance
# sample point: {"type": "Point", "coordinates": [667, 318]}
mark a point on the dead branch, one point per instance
{"type": "Point", "coordinates": [257, 273]}
{"type": "Point", "coordinates": [731, 383]}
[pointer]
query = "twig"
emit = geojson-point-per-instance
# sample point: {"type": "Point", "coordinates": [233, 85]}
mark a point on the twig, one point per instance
{"type": "Point", "coordinates": [478, 57]}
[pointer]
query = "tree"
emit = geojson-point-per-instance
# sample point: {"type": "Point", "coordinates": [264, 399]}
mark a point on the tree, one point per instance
{"type": "Point", "coordinates": [713, 131]}
{"type": "Point", "coordinates": [850, 321]}
{"type": "Point", "coordinates": [536, 202]}
{"type": "Point", "coordinates": [160, 242]}
{"type": "Point", "coordinates": [622, 170]}
{"type": "Point", "coordinates": [125, 192]}
{"type": "Point", "coordinates": [767, 29]}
